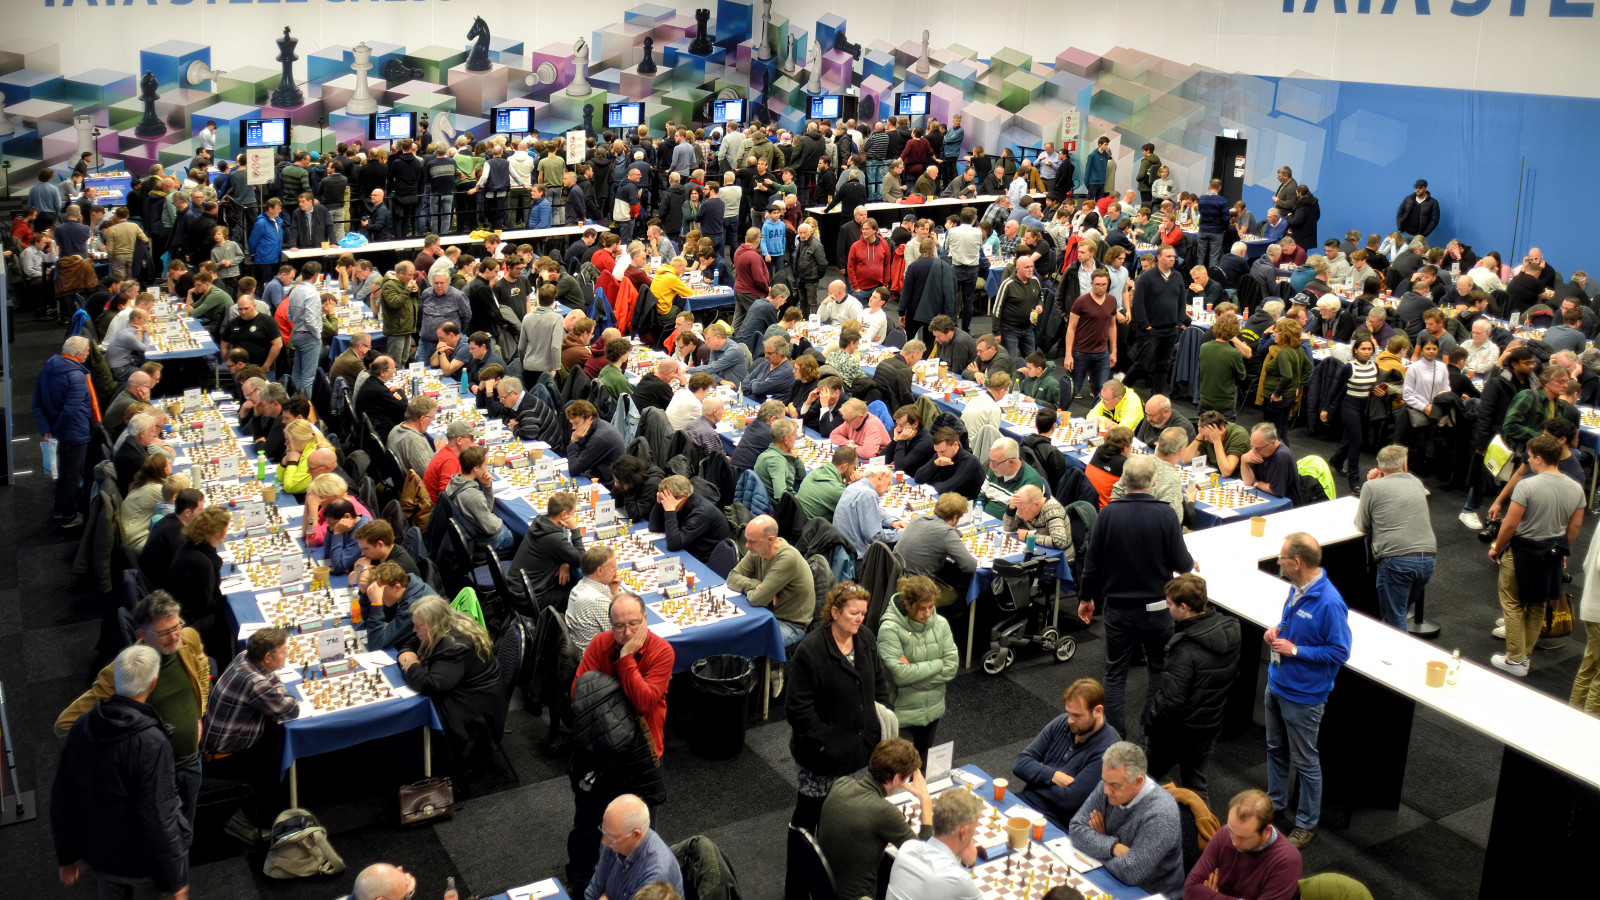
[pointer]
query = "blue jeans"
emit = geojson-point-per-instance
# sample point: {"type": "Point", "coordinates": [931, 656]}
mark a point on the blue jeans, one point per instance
{"type": "Point", "coordinates": [425, 348]}
{"type": "Point", "coordinates": [1292, 738]}
{"type": "Point", "coordinates": [307, 348]}
{"type": "Point", "coordinates": [70, 458]}
{"type": "Point", "coordinates": [504, 540]}
{"type": "Point", "coordinates": [1126, 625]}
{"type": "Point", "coordinates": [1018, 341]}
{"type": "Point", "coordinates": [1095, 366]}
{"type": "Point", "coordinates": [442, 208]}
{"type": "Point", "coordinates": [792, 634]}
{"type": "Point", "coordinates": [1401, 581]}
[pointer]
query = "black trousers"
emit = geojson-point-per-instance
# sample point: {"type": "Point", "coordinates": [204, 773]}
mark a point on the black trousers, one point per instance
{"type": "Point", "coordinates": [259, 766]}
{"type": "Point", "coordinates": [1188, 751]}
{"type": "Point", "coordinates": [1153, 358]}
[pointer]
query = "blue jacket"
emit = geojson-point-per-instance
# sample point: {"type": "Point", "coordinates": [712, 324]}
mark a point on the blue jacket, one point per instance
{"type": "Point", "coordinates": [1213, 213]}
{"type": "Point", "coordinates": [342, 549]}
{"type": "Point", "coordinates": [860, 520]}
{"type": "Point", "coordinates": [539, 213]}
{"type": "Point", "coordinates": [1319, 628]}
{"type": "Point", "coordinates": [1094, 171]}
{"type": "Point", "coordinates": [726, 364]}
{"type": "Point", "coordinates": [266, 239]}
{"type": "Point", "coordinates": [391, 626]}
{"type": "Point", "coordinates": [766, 383]}
{"type": "Point", "coordinates": [773, 237]}
{"type": "Point", "coordinates": [952, 144]}
{"type": "Point", "coordinates": [1055, 751]}
{"type": "Point", "coordinates": [61, 406]}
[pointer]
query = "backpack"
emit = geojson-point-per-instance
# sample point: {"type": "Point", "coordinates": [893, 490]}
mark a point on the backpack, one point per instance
{"type": "Point", "coordinates": [300, 848]}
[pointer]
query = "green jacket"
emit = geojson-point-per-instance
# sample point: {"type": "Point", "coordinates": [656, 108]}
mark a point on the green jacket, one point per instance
{"type": "Point", "coordinates": [857, 821]}
{"type": "Point", "coordinates": [613, 379]}
{"type": "Point", "coordinates": [399, 307]}
{"type": "Point", "coordinates": [997, 491]}
{"type": "Point", "coordinates": [917, 690]}
{"type": "Point", "coordinates": [819, 492]}
{"type": "Point", "coordinates": [1526, 415]}
{"type": "Point", "coordinates": [780, 472]}
{"type": "Point", "coordinates": [1284, 373]}
{"type": "Point", "coordinates": [1044, 389]}
{"type": "Point", "coordinates": [1221, 371]}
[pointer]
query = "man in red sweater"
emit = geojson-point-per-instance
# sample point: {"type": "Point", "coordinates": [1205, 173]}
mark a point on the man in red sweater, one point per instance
{"type": "Point", "coordinates": [750, 278]}
{"type": "Point", "coordinates": [868, 265]}
{"type": "Point", "coordinates": [1256, 862]}
{"type": "Point", "coordinates": [641, 661]}
{"type": "Point", "coordinates": [447, 461]}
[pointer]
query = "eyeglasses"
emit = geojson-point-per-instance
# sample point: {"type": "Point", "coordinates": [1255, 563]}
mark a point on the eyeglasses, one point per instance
{"type": "Point", "coordinates": [169, 632]}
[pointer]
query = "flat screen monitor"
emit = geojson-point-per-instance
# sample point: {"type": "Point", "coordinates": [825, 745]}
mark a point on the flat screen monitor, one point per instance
{"type": "Point", "coordinates": [914, 104]}
{"type": "Point", "coordinates": [391, 126]}
{"type": "Point", "coordinates": [728, 111]}
{"type": "Point", "coordinates": [624, 115]}
{"type": "Point", "coordinates": [263, 133]}
{"type": "Point", "coordinates": [825, 106]}
{"type": "Point", "coordinates": [513, 120]}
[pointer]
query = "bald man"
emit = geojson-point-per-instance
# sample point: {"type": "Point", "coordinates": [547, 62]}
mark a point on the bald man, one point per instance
{"type": "Point", "coordinates": [632, 854]}
{"type": "Point", "coordinates": [381, 881]}
{"type": "Point", "coordinates": [774, 574]}
{"type": "Point", "coordinates": [655, 388]}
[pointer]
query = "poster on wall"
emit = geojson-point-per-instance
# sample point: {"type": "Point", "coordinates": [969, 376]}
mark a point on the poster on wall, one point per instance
{"type": "Point", "coordinates": [575, 145]}
{"type": "Point", "coordinates": [259, 162]}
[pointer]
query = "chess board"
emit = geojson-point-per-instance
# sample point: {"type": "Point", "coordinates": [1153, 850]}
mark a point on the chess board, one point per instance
{"type": "Point", "coordinates": [702, 289]}
{"type": "Point", "coordinates": [701, 608]}
{"type": "Point", "coordinates": [244, 550]}
{"type": "Point", "coordinates": [345, 691]}
{"type": "Point", "coordinates": [631, 550]}
{"type": "Point", "coordinates": [1229, 496]}
{"type": "Point", "coordinates": [303, 647]}
{"type": "Point", "coordinates": [1591, 418]}
{"type": "Point", "coordinates": [1029, 875]}
{"type": "Point", "coordinates": [464, 411]}
{"type": "Point", "coordinates": [232, 493]}
{"type": "Point", "coordinates": [990, 836]}
{"type": "Point", "coordinates": [993, 544]}
{"type": "Point", "coordinates": [815, 453]}
{"type": "Point", "coordinates": [311, 606]}
{"type": "Point", "coordinates": [263, 575]}
{"type": "Point", "coordinates": [908, 498]}
{"type": "Point", "coordinates": [185, 340]}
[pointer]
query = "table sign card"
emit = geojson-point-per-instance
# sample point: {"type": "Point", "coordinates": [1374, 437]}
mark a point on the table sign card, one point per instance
{"type": "Point", "coordinates": [174, 331]}
{"type": "Point", "coordinates": [939, 759]}
{"type": "Point", "coordinates": [191, 399]}
{"type": "Point", "coordinates": [228, 468]}
{"type": "Point", "coordinates": [605, 512]}
{"type": "Point", "coordinates": [668, 571]}
{"type": "Point", "coordinates": [417, 369]}
{"type": "Point", "coordinates": [544, 469]}
{"type": "Point", "coordinates": [330, 644]}
{"type": "Point", "coordinates": [291, 569]}
{"type": "Point", "coordinates": [254, 514]}
{"type": "Point", "coordinates": [211, 431]}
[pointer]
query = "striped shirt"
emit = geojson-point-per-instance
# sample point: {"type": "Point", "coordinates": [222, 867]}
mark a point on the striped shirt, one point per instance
{"type": "Point", "coordinates": [1363, 376]}
{"type": "Point", "coordinates": [877, 145]}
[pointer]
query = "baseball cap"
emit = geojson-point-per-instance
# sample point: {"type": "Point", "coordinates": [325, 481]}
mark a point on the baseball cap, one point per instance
{"type": "Point", "coordinates": [1421, 183]}
{"type": "Point", "coordinates": [458, 429]}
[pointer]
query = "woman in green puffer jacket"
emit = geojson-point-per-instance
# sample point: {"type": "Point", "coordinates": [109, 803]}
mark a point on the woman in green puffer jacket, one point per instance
{"type": "Point", "coordinates": [919, 655]}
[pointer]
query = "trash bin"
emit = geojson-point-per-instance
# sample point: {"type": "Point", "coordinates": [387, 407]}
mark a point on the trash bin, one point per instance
{"type": "Point", "coordinates": [722, 686]}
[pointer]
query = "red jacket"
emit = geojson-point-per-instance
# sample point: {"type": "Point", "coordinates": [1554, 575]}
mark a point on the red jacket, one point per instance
{"type": "Point", "coordinates": [644, 676]}
{"type": "Point", "coordinates": [916, 154]}
{"type": "Point", "coordinates": [749, 272]}
{"type": "Point", "coordinates": [1172, 238]}
{"type": "Point", "coordinates": [868, 264]}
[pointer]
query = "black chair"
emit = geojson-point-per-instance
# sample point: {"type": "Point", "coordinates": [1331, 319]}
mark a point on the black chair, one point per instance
{"type": "Point", "coordinates": [723, 558]}
{"type": "Point", "coordinates": [814, 876]}
{"type": "Point", "coordinates": [533, 600]}
{"type": "Point", "coordinates": [460, 564]}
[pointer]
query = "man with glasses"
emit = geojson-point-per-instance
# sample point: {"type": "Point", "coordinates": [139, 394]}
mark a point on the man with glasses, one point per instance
{"type": "Point", "coordinates": [633, 854]}
{"type": "Point", "coordinates": [182, 690]}
{"type": "Point", "coordinates": [1268, 465]}
{"type": "Point", "coordinates": [409, 441]}
{"type": "Point", "coordinates": [772, 376]}
{"type": "Point", "coordinates": [641, 661]}
{"type": "Point", "coordinates": [774, 574]}
{"type": "Point", "coordinates": [1309, 644]}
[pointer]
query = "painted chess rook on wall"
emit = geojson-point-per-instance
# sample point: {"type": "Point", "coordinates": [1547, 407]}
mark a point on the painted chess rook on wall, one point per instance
{"type": "Point", "coordinates": [701, 45]}
{"type": "Point", "coordinates": [478, 59]}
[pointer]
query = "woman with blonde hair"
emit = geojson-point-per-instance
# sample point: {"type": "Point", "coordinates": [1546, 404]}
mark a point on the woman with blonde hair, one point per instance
{"type": "Point", "coordinates": [324, 488]}
{"type": "Point", "coordinates": [300, 439]}
{"type": "Point", "coordinates": [455, 666]}
{"type": "Point", "coordinates": [1283, 374]}
{"type": "Point", "coordinates": [195, 579]}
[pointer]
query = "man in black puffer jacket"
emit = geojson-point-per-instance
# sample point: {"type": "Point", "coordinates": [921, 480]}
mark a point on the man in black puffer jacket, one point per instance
{"type": "Point", "coordinates": [1202, 659]}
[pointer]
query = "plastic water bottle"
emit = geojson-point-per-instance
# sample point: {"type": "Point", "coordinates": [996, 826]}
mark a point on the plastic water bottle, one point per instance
{"type": "Point", "coordinates": [1027, 545]}
{"type": "Point", "coordinates": [261, 466]}
{"type": "Point", "coordinates": [716, 277]}
{"type": "Point", "coordinates": [465, 388]}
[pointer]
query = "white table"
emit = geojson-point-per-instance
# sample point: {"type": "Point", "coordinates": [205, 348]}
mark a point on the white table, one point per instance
{"type": "Point", "coordinates": [522, 234]}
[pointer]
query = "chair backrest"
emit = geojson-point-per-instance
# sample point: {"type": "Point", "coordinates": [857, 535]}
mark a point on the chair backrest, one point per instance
{"type": "Point", "coordinates": [822, 579]}
{"type": "Point", "coordinates": [135, 587]}
{"type": "Point", "coordinates": [723, 558]}
{"type": "Point", "coordinates": [816, 875]}
{"type": "Point", "coordinates": [509, 649]}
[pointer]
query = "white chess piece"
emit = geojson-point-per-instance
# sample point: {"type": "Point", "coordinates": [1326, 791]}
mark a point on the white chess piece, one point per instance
{"type": "Point", "coordinates": [85, 128]}
{"type": "Point", "coordinates": [922, 61]}
{"type": "Point", "coordinates": [764, 46]}
{"type": "Point", "coordinates": [789, 64]}
{"type": "Point", "coordinates": [5, 122]}
{"type": "Point", "coordinates": [361, 102]}
{"type": "Point", "coordinates": [580, 70]}
{"type": "Point", "coordinates": [814, 68]}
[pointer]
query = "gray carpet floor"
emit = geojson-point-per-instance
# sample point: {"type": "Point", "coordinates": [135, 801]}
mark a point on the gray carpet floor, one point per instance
{"type": "Point", "coordinates": [514, 832]}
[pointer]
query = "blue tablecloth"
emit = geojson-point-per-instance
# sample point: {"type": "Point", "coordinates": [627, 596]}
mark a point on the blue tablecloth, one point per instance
{"type": "Point", "coordinates": [723, 297]}
{"type": "Point", "coordinates": [1100, 877]}
{"type": "Point", "coordinates": [207, 347]}
{"type": "Point", "coordinates": [560, 891]}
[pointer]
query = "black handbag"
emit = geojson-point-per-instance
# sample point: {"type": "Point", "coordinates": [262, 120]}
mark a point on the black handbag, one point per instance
{"type": "Point", "coordinates": [427, 800]}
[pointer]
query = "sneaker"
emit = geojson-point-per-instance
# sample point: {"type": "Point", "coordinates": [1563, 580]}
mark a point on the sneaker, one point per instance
{"type": "Point", "coordinates": [1471, 520]}
{"type": "Point", "coordinates": [1500, 622]}
{"type": "Point", "coordinates": [777, 682]}
{"type": "Point", "coordinates": [1300, 837]}
{"type": "Point", "coordinates": [240, 828]}
{"type": "Point", "coordinates": [1499, 631]}
{"type": "Point", "coordinates": [1519, 669]}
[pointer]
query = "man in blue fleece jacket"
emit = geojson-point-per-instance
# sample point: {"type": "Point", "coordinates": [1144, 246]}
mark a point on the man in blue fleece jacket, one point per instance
{"type": "Point", "coordinates": [1309, 644]}
{"type": "Point", "coordinates": [1061, 767]}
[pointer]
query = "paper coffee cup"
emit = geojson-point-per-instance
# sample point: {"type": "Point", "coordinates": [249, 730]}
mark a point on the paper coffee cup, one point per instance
{"type": "Point", "coordinates": [1258, 526]}
{"type": "Point", "coordinates": [269, 493]}
{"type": "Point", "coordinates": [1000, 789]}
{"type": "Point", "coordinates": [1435, 673]}
{"type": "Point", "coordinates": [1017, 830]}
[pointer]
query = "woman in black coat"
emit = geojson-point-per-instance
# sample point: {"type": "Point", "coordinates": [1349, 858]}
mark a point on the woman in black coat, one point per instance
{"type": "Point", "coordinates": [194, 579]}
{"type": "Point", "coordinates": [835, 683]}
{"type": "Point", "coordinates": [457, 669]}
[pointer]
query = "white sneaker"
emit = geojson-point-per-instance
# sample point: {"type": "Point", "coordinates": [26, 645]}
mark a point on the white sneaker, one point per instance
{"type": "Point", "coordinates": [1471, 520]}
{"type": "Point", "coordinates": [1499, 661]}
{"type": "Point", "coordinates": [1120, 375]}
{"type": "Point", "coordinates": [1500, 622]}
{"type": "Point", "coordinates": [777, 682]}
{"type": "Point", "coordinates": [1499, 632]}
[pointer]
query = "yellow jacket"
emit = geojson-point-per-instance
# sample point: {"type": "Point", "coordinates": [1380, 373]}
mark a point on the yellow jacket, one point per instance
{"type": "Point", "coordinates": [1129, 412]}
{"type": "Point", "coordinates": [296, 476]}
{"type": "Point", "coordinates": [190, 653]}
{"type": "Point", "coordinates": [667, 285]}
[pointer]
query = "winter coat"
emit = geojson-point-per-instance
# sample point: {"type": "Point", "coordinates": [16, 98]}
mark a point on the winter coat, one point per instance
{"type": "Point", "coordinates": [831, 703]}
{"type": "Point", "coordinates": [62, 406]}
{"type": "Point", "coordinates": [114, 804]}
{"type": "Point", "coordinates": [1416, 217]}
{"type": "Point", "coordinates": [466, 691]}
{"type": "Point", "coordinates": [1498, 391]}
{"type": "Point", "coordinates": [1303, 222]}
{"type": "Point", "coordinates": [1202, 659]}
{"type": "Point", "coordinates": [637, 503]}
{"type": "Point", "coordinates": [473, 506]}
{"type": "Point", "coordinates": [541, 553]}
{"type": "Point", "coordinates": [917, 690]}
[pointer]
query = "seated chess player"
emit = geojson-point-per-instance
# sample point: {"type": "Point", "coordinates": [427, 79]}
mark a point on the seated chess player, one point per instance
{"type": "Point", "coordinates": [340, 546]}
{"type": "Point", "coordinates": [938, 868]}
{"type": "Point", "coordinates": [860, 517]}
{"type": "Point", "coordinates": [774, 574]}
{"type": "Point", "coordinates": [819, 492]}
{"type": "Point", "coordinates": [390, 594]}
{"type": "Point", "coordinates": [860, 430]}
{"type": "Point", "coordinates": [454, 665]}
{"type": "Point", "coordinates": [549, 554]}
{"type": "Point", "coordinates": [858, 822]}
{"type": "Point", "coordinates": [589, 604]}
{"type": "Point", "coordinates": [1059, 769]}
{"type": "Point", "coordinates": [632, 855]}
{"type": "Point", "coordinates": [1131, 824]}
{"type": "Point", "coordinates": [376, 540]}
{"type": "Point", "coordinates": [1043, 517]}
{"type": "Point", "coordinates": [1256, 861]}
{"type": "Point", "coordinates": [692, 524]}
{"type": "Point", "coordinates": [953, 468]}
{"type": "Point", "coordinates": [1268, 464]}
{"type": "Point", "coordinates": [242, 737]}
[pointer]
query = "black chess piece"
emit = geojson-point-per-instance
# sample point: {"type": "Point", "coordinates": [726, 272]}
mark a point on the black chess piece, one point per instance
{"type": "Point", "coordinates": [588, 117]}
{"type": "Point", "coordinates": [397, 71]}
{"type": "Point", "coordinates": [150, 124]}
{"type": "Point", "coordinates": [287, 93]}
{"type": "Point", "coordinates": [840, 42]}
{"type": "Point", "coordinates": [647, 65]}
{"type": "Point", "coordinates": [478, 59]}
{"type": "Point", "coordinates": [701, 45]}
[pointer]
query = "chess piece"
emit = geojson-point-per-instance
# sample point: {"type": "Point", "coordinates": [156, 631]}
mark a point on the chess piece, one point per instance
{"type": "Point", "coordinates": [85, 128]}
{"type": "Point", "coordinates": [361, 102]}
{"type": "Point", "coordinates": [397, 71]}
{"type": "Point", "coordinates": [922, 61]}
{"type": "Point", "coordinates": [763, 45]}
{"type": "Point", "coordinates": [647, 65]}
{"type": "Point", "coordinates": [840, 42]}
{"type": "Point", "coordinates": [478, 59]}
{"type": "Point", "coordinates": [580, 69]}
{"type": "Point", "coordinates": [701, 45]}
{"type": "Point", "coordinates": [814, 68]}
{"type": "Point", "coordinates": [287, 94]}
{"type": "Point", "coordinates": [789, 67]}
{"type": "Point", "coordinates": [588, 117]}
{"type": "Point", "coordinates": [149, 124]}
